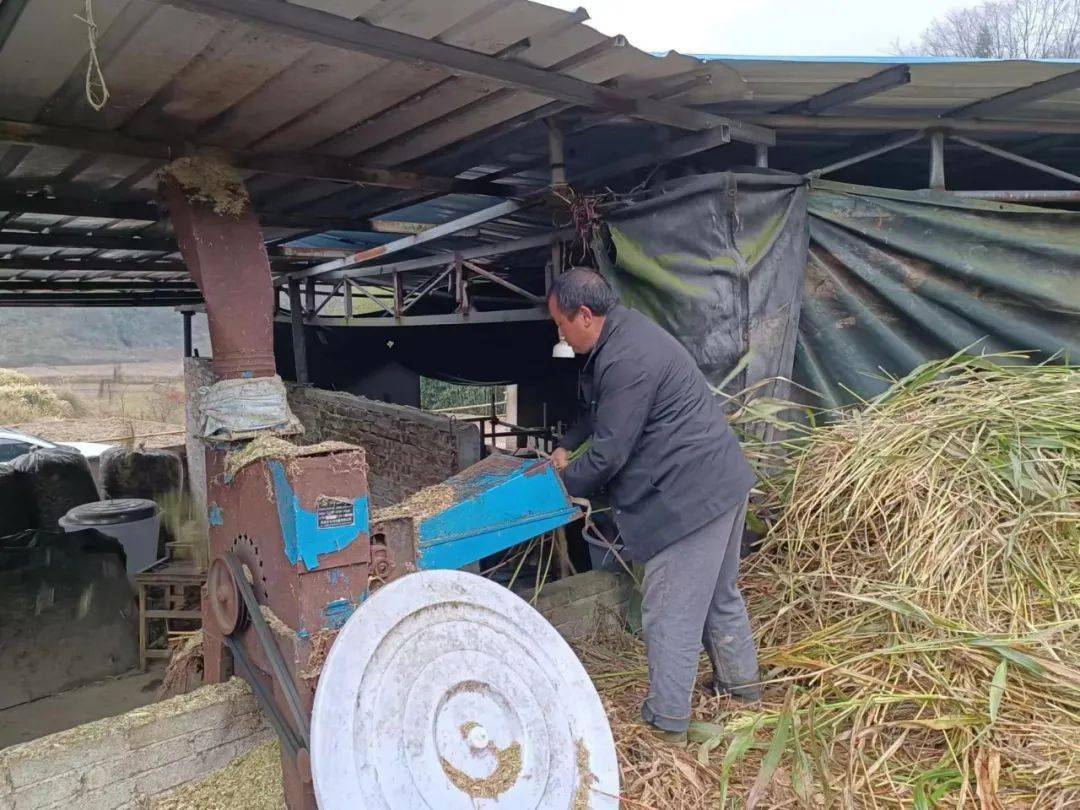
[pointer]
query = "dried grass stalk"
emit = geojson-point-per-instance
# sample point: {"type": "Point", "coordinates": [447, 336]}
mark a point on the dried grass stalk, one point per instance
{"type": "Point", "coordinates": [917, 613]}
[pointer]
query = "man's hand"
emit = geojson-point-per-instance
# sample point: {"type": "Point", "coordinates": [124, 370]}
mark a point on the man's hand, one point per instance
{"type": "Point", "coordinates": [560, 459]}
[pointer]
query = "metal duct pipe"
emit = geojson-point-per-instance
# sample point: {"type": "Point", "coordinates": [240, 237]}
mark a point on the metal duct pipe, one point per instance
{"type": "Point", "coordinates": [225, 255]}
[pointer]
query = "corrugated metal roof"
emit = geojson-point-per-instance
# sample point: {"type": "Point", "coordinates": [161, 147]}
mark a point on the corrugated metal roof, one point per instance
{"type": "Point", "coordinates": [182, 75]}
{"type": "Point", "coordinates": [937, 84]}
{"type": "Point", "coordinates": [177, 74]}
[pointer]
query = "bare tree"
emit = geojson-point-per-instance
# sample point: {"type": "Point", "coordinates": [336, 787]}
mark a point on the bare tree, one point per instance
{"type": "Point", "coordinates": [1004, 29]}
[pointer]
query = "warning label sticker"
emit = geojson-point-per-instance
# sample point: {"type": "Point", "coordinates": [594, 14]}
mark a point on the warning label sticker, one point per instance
{"type": "Point", "coordinates": [334, 512]}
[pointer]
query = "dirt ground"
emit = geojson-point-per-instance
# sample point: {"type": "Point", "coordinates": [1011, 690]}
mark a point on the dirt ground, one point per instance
{"type": "Point", "coordinates": [93, 701]}
{"type": "Point", "coordinates": [151, 390]}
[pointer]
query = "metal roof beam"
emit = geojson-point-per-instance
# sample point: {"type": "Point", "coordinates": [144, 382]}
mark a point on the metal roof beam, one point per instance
{"type": "Point", "coordinates": [891, 145]}
{"type": "Point", "coordinates": [151, 212]}
{"type": "Point", "coordinates": [81, 239]}
{"type": "Point", "coordinates": [481, 252]}
{"type": "Point", "coordinates": [450, 319]}
{"type": "Point", "coordinates": [1016, 98]}
{"type": "Point", "coordinates": [95, 285]}
{"type": "Point", "coordinates": [357, 35]}
{"type": "Point", "coordinates": [690, 144]}
{"type": "Point", "coordinates": [60, 299]}
{"type": "Point", "coordinates": [439, 231]}
{"type": "Point", "coordinates": [62, 240]}
{"type": "Point", "coordinates": [894, 123]}
{"type": "Point", "coordinates": [851, 92]}
{"type": "Point", "coordinates": [1015, 158]}
{"type": "Point", "coordinates": [90, 265]}
{"type": "Point", "coordinates": [311, 166]}
{"type": "Point", "coordinates": [10, 11]}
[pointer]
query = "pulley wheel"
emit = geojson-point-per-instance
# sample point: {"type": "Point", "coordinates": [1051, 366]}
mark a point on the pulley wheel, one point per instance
{"type": "Point", "coordinates": [226, 606]}
{"type": "Point", "coordinates": [444, 690]}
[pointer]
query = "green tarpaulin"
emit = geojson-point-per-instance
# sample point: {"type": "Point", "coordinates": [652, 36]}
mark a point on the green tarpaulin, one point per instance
{"type": "Point", "coordinates": [891, 279]}
{"type": "Point", "coordinates": [895, 278]}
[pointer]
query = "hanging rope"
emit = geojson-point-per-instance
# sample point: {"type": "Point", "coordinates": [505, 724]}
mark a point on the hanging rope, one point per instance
{"type": "Point", "coordinates": [97, 93]}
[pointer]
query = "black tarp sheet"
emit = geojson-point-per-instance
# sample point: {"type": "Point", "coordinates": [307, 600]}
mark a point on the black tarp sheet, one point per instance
{"type": "Point", "coordinates": [896, 278]}
{"type": "Point", "coordinates": [717, 260]}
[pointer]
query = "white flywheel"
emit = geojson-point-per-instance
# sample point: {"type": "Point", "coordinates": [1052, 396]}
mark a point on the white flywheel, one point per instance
{"type": "Point", "coordinates": [445, 690]}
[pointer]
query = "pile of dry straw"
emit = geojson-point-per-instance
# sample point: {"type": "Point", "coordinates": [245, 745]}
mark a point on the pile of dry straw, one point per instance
{"type": "Point", "coordinates": [23, 398]}
{"type": "Point", "coordinates": [917, 610]}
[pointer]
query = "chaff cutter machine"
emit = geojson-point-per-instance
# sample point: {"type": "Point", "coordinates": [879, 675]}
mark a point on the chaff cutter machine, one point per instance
{"type": "Point", "coordinates": [442, 689]}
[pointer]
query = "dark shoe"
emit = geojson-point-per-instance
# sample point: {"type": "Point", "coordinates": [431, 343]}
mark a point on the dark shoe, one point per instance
{"type": "Point", "coordinates": [670, 737]}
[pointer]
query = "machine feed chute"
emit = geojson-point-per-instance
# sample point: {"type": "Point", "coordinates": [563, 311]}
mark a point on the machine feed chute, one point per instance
{"type": "Point", "coordinates": [494, 504]}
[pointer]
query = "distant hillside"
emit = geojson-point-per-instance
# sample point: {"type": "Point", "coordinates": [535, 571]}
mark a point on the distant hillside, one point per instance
{"type": "Point", "coordinates": [35, 336]}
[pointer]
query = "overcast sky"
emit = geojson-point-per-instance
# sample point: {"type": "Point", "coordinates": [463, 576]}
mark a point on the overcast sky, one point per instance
{"type": "Point", "coordinates": [788, 27]}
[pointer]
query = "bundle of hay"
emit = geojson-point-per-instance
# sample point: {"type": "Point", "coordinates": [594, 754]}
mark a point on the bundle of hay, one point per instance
{"type": "Point", "coordinates": [919, 593]}
{"type": "Point", "coordinates": [916, 608]}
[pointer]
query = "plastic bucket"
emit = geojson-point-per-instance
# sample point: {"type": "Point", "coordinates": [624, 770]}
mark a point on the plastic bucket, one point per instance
{"type": "Point", "coordinates": [135, 522]}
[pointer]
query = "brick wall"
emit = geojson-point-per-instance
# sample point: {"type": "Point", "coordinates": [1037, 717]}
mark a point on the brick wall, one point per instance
{"type": "Point", "coordinates": [407, 449]}
{"type": "Point", "coordinates": [576, 605]}
{"type": "Point", "coordinates": [117, 762]}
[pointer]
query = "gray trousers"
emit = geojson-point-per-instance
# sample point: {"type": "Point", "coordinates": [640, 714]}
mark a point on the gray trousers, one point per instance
{"type": "Point", "coordinates": [690, 598]}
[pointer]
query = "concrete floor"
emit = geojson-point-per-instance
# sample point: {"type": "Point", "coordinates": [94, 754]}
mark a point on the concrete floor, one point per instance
{"type": "Point", "coordinates": [83, 704]}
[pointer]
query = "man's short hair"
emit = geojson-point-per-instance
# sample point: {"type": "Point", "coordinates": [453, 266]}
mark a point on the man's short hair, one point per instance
{"type": "Point", "coordinates": [583, 287]}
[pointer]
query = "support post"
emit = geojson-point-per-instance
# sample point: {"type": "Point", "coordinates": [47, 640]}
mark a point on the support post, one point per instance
{"type": "Point", "coordinates": [556, 153]}
{"type": "Point", "coordinates": [937, 160]}
{"type": "Point", "coordinates": [399, 295]}
{"type": "Point", "coordinates": [761, 156]}
{"type": "Point", "coordinates": [188, 349]}
{"type": "Point", "coordinates": [299, 344]}
{"type": "Point", "coordinates": [348, 292]}
{"type": "Point", "coordinates": [461, 285]}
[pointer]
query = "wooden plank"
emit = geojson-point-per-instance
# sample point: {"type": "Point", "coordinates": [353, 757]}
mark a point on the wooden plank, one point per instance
{"type": "Point", "coordinates": [84, 140]}
{"type": "Point", "coordinates": [333, 30]}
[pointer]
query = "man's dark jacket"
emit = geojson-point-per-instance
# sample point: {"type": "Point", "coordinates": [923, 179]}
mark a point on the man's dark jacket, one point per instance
{"type": "Point", "coordinates": [660, 440]}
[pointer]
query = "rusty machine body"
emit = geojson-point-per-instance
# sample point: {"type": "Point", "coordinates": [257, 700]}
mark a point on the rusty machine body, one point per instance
{"type": "Point", "coordinates": [294, 553]}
